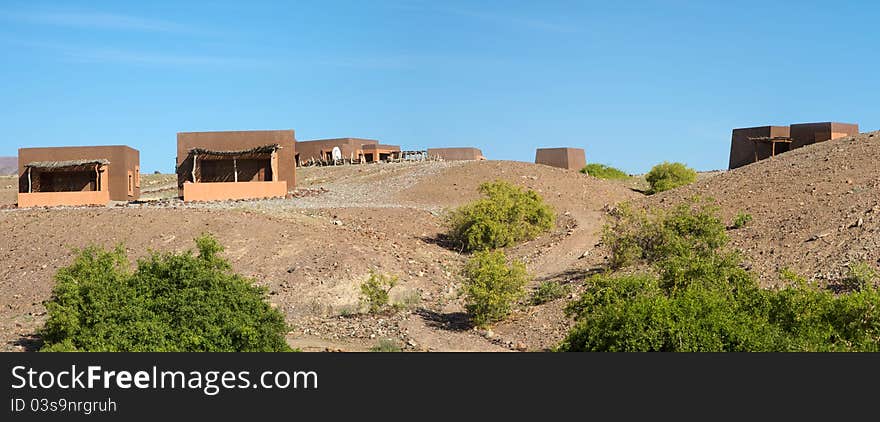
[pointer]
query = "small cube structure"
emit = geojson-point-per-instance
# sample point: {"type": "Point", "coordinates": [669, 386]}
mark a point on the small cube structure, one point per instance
{"type": "Point", "coordinates": [76, 176]}
{"type": "Point", "coordinates": [803, 134]}
{"type": "Point", "coordinates": [456, 154]}
{"type": "Point", "coordinates": [351, 149]}
{"type": "Point", "coordinates": [751, 144]}
{"type": "Point", "coordinates": [566, 158]}
{"type": "Point", "coordinates": [253, 164]}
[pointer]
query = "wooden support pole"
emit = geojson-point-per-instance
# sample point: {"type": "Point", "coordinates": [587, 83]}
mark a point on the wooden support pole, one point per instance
{"type": "Point", "coordinates": [195, 163]}
{"type": "Point", "coordinates": [30, 184]}
{"type": "Point", "coordinates": [235, 168]}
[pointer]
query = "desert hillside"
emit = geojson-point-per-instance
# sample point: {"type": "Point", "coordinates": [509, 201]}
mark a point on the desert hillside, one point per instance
{"type": "Point", "coordinates": [816, 209]}
{"type": "Point", "coordinates": [313, 251]}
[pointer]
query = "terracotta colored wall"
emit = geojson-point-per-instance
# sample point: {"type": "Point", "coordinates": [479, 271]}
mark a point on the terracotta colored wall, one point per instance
{"type": "Point", "coordinates": [233, 190]}
{"type": "Point", "coordinates": [348, 146]}
{"type": "Point", "coordinates": [456, 154]}
{"type": "Point", "coordinates": [809, 133]}
{"type": "Point", "coordinates": [237, 140]}
{"type": "Point", "coordinates": [567, 158]}
{"type": "Point", "coordinates": [54, 199]}
{"type": "Point", "coordinates": [742, 150]}
{"type": "Point", "coordinates": [123, 159]}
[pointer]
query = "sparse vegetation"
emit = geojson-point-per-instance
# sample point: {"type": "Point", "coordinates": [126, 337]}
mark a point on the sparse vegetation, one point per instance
{"type": "Point", "coordinates": [387, 345]}
{"type": "Point", "coordinates": [602, 171]}
{"type": "Point", "coordinates": [492, 286]}
{"type": "Point", "coordinates": [666, 176]}
{"type": "Point", "coordinates": [698, 298]}
{"type": "Point", "coordinates": [548, 291]}
{"type": "Point", "coordinates": [741, 220]}
{"type": "Point", "coordinates": [171, 302]}
{"type": "Point", "coordinates": [507, 215]}
{"type": "Point", "coordinates": [374, 291]}
{"type": "Point", "coordinates": [861, 275]}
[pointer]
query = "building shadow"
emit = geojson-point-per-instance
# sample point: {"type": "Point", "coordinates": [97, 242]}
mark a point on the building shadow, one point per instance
{"type": "Point", "coordinates": [454, 321]}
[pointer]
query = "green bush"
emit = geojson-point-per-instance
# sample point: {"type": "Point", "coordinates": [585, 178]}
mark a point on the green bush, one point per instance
{"type": "Point", "coordinates": [171, 302]}
{"type": "Point", "coordinates": [602, 171]}
{"type": "Point", "coordinates": [741, 220]}
{"type": "Point", "coordinates": [690, 228]}
{"type": "Point", "coordinates": [699, 298]}
{"type": "Point", "coordinates": [492, 286]}
{"type": "Point", "coordinates": [507, 215]}
{"type": "Point", "coordinates": [548, 291]}
{"type": "Point", "coordinates": [666, 176]}
{"type": "Point", "coordinates": [374, 291]}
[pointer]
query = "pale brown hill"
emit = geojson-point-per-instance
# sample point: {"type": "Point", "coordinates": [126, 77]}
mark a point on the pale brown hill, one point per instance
{"type": "Point", "coordinates": [816, 209]}
{"type": "Point", "coordinates": [8, 166]}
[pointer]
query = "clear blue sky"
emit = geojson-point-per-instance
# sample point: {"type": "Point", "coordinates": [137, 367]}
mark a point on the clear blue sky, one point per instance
{"type": "Point", "coordinates": [634, 83]}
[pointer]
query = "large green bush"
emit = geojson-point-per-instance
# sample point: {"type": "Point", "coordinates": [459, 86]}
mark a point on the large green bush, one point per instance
{"type": "Point", "coordinates": [492, 286]}
{"type": "Point", "coordinates": [666, 176]}
{"type": "Point", "coordinates": [602, 171]}
{"type": "Point", "coordinates": [171, 302]}
{"type": "Point", "coordinates": [507, 215]}
{"type": "Point", "coordinates": [699, 298]}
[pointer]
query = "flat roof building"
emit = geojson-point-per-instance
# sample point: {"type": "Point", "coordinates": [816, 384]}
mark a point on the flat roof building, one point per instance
{"type": "Point", "coordinates": [87, 175]}
{"type": "Point", "coordinates": [456, 154]}
{"type": "Point", "coordinates": [752, 144]}
{"type": "Point", "coordinates": [348, 149]}
{"type": "Point", "coordinates": [566, 158]}
{"type": "Point", "coordinates": [235, 164]}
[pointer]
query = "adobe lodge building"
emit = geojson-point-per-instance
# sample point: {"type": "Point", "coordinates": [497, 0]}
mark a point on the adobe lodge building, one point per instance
{"type": "Point", "coordinates": [456, 154]}
{"type": "Point", "coordinates": [235, 164]}
{"type": "Point", "coordinates": [566, 158]}
{"type": "Point", "coordinates": [76, 176]}
{"type": "Point", "coordinates": [752, 144]}
{"type": "Point", "coordinates": [353, 150]}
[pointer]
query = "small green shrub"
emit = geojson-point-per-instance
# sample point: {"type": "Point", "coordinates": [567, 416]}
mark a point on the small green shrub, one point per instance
{"type": "Point", "coordinates": [791, 277]}
{"type": "Point", "coordinates": [374, 291]}
{"type": "Point", "coordinates": [507, 215]}
{"type": "Point", "coordinates": [171, 302]}
{"type": "Point", "coordinates": [741, 220]}
{"type": "Point", "coordinates": [602, 171]}
{"type": "Point", "coordinates": [860, 276]}
{"type": "Point", "coordinates": [492, 286]}
{"type": "Point", "coordinates": [666, 176]}
{"type": "Point", "coordinates": [386, 345]}
{"type": "Point", "coordinates": [548, 291]}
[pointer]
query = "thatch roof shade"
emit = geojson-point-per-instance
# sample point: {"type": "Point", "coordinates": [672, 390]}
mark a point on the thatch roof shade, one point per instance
{"type": "Point", "coordinates": [48, 165]}
{"type": "Point", "coordinates": [265, 149]}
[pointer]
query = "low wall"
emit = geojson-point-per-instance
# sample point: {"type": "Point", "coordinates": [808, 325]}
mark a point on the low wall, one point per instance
{"type": "Point", "coordinates": [217, 191]}
{"type": "Point", "coordinates": [54, 199]}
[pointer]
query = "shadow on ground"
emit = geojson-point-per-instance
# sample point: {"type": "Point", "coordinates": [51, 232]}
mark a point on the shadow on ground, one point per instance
{"type": "Point", "coordinates": [454, 321]}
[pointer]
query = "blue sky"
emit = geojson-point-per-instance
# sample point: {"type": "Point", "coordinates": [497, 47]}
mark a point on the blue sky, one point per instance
{"type": "Point", "coordinates": [634, 83]}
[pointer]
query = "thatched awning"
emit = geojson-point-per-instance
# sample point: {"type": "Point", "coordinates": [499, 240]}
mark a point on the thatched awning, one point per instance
{"type": "Point", "coordinates": [49, 165]}
{"type": "Point", "coordinates": [265, 149]}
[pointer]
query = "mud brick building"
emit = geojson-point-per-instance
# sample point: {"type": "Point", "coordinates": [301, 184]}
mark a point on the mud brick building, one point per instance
{"type": "Point", "coordinates": [746, 148]}
{"type": "Point", "coordinates": [456, 154]}
{"type": "Point", "coordinates": [752, 144]}
{"type": "Point", "coordinates": [803, 134]}
{"type": "Point", "coordinates": [350, 149]}
{"type": "Point", "coordinates": [235, 164]}
{"type": "Point", "coordinates": [566, 158]}
{"type": "Point", "coordinates": [87, 175]}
